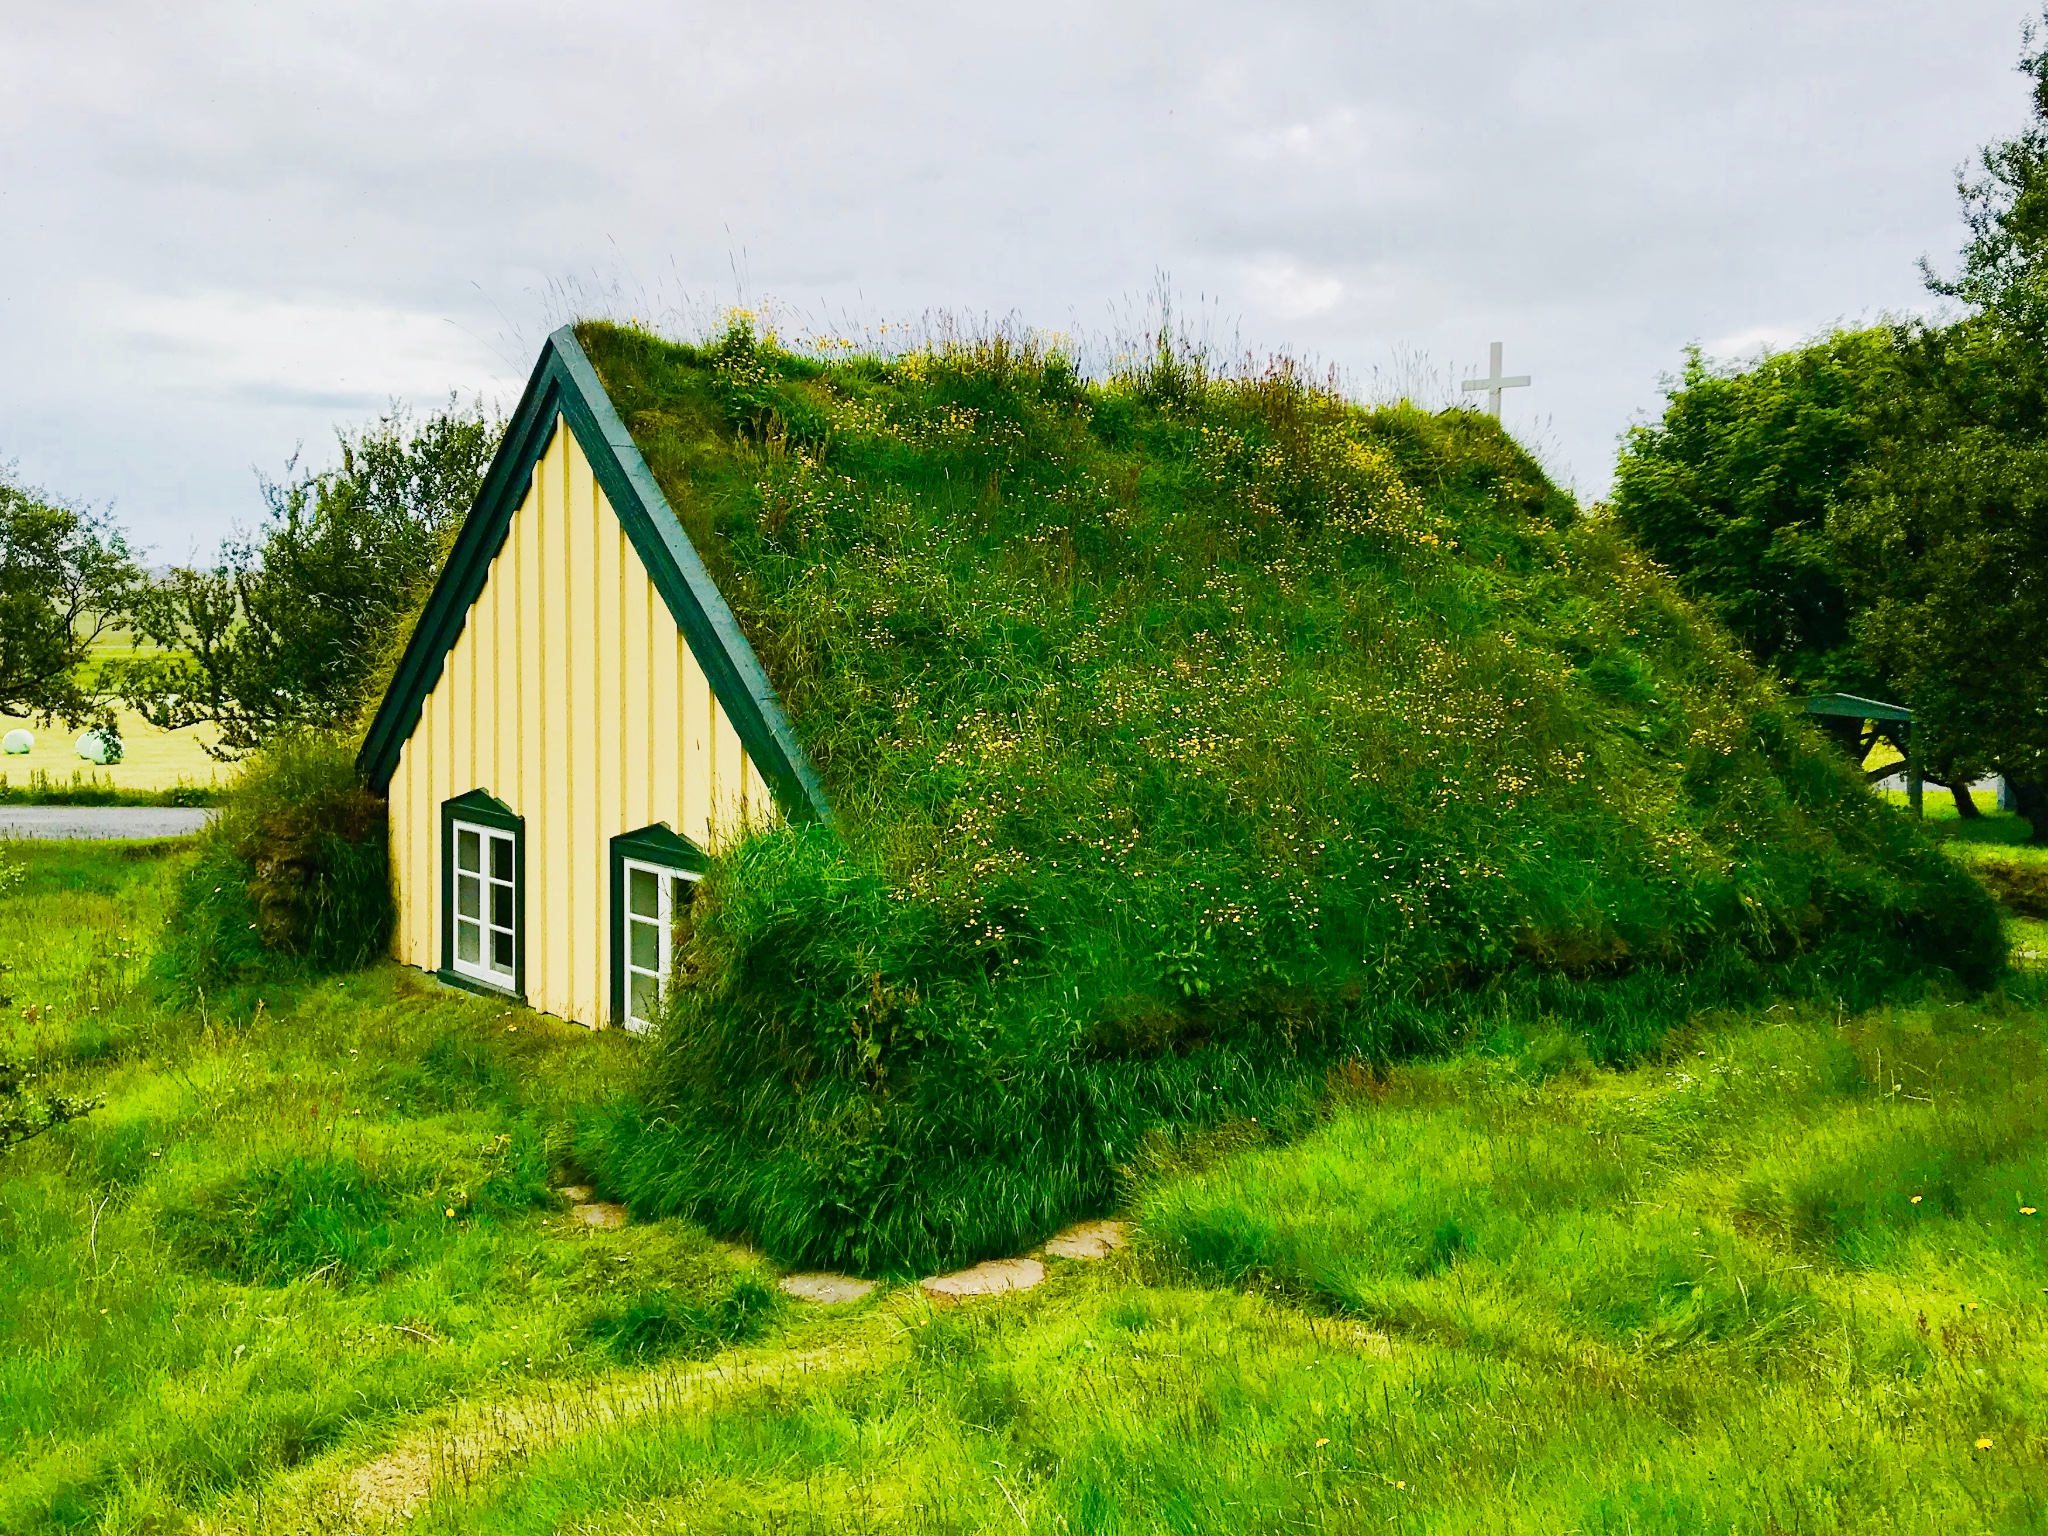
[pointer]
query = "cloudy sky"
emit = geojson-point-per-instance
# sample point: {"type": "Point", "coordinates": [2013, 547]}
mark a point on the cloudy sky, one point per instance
{"type": "Point", "coordinates": [228, 227]}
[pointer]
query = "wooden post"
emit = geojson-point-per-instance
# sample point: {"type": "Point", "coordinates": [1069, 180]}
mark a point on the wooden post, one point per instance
{"type": "Point", "coordinates": [1913, 788]}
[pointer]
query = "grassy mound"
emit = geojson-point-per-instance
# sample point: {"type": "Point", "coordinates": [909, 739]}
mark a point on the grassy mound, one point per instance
{"type": "Point", "coordinates": [1188, 735]}
{"type": "Point", "coordinates": [292, 878]}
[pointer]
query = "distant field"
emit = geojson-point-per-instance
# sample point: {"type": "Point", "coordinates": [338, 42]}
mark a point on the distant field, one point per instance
{"type": "Point", "coordinates": [155, 760]}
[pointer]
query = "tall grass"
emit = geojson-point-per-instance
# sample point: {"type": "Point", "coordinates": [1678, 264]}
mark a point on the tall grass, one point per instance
{"type": "Point", "coordinates": [1188, 734]}
{"type": "Point", "coordinates": [84, 788]}
{"type": "Point", "coordinates": [307, 1253]}
{"type": "Point", "coordinates": [288, 1231]}
{"type": "Point", "coordinates": [1511, 1292]}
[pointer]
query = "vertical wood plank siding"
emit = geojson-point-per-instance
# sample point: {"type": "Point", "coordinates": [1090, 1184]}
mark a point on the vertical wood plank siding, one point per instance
{"type": "Point", "coordinates": [572, 697]}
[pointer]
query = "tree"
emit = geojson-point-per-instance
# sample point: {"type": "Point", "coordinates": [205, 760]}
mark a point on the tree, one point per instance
{"type": "Point", "coordinates": [1731, 490]}
{"type": "Point", "coordinates": [1943, 535]}
{"type": "Point", "coordinates": [2005, 263]}
{"type": "Point", "coordinates": [1944, 529]}
{"type": "Point", "coordinates": [1953, 551]}
{"type": "Point", "coordinates": [292, 624]}
{"type": "Point", "coordinates": [66, 579]}
{"type": "Point", "coordinates": [1864, 511]}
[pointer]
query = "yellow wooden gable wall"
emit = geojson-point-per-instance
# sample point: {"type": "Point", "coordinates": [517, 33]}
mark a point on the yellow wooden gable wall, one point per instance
{"type": "Point", "coordinates": [572, 697]}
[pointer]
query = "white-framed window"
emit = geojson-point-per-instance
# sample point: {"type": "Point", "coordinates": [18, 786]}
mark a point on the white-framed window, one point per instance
{"type": "Point", "coordinates": [486, 905]}
{"type": "Point", "coordinates": [654, 897]}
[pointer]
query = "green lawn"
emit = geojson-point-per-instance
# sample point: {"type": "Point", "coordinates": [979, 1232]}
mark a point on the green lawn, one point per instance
{"type": "Point", "coordinates": [304, 1273]}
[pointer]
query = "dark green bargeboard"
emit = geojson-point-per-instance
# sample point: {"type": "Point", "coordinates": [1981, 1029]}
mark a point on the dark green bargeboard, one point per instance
{"type": "Point", "coordinates": [1186, 736]}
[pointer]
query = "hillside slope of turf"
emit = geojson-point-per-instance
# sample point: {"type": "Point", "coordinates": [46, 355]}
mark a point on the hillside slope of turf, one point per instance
{"type": "Point", "coordinates": [1187, 735]}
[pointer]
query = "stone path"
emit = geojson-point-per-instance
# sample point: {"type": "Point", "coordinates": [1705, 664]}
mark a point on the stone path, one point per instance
{"type": "Point", "coordinates": [990, 1278]}
{"type": "Point", "coordinates": [1087, 1240]}
{"type": "Point", "coordinates": [98, 821]}
{"type": "Point", "coordinates": [826, 1289]}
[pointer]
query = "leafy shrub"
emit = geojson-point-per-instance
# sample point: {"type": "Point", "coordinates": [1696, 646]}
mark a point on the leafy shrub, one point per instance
{"type": "Point", "coordinates": [292, 877]}
{"type": "Point", "coordinates": [1186, 736]}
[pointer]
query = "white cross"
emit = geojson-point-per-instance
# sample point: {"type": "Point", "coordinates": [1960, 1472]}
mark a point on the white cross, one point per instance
{"type": "Point", "coordinates": [1493, 384]}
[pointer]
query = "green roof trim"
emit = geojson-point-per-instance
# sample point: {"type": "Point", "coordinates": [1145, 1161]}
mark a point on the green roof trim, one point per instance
{"type": "Point", "coordinates": [1855, 706]}
{"type": "Point", "coordinates": [565, 384]}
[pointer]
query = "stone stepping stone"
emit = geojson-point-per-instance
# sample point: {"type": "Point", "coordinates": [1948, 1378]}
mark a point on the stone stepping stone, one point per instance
{"type": "Point", "coordinates": [1089, 1240]}
{"type": "Point", "coordinates": [826, 1289]}
{"type": "Point", "coordinates": [991, 1278]}
{"type": "Point", "coordinates": [575, 1194]}
{"type": "Point", "coordinates": [600, 1213]}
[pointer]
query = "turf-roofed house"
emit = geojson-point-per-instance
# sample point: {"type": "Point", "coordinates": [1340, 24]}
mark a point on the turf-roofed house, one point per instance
{"type": "Point", "coordinates": [1045, 769]}
{"type": "Point", "coordinates": [576, 726]}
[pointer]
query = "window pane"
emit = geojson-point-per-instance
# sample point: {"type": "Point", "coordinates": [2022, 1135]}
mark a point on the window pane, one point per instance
{"type": "Point", "coordinates": [645, 946]}
{"type": "Point", "coordinates": [645, 998]}
{"type": "Point", "coordinates": [680, 892]}
{"type": "Point", "coordinates": [642, 894]}
{"type": "Point", "coordinates": [468, 896]}
{"type": "Point", "coordinates": [467, 949]}
{"type": "Point", "coordinates": [466, 855]}
{"type": "Point", "coordinates": [501, 905]}
{"type": "Point", "coordinates": [501, 858]}
{"type": "Point", "coordinates": [501, 952]}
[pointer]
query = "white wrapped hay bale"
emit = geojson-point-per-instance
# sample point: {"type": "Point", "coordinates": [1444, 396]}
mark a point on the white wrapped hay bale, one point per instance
{"type": "Point", "coordinates": [101, 747]}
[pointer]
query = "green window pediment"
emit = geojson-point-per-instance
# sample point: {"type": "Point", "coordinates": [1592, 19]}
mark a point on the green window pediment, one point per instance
{"type": "Point", "coordinates": [659, 845]}
{"type": "Point", "coordinates": [485, 808]}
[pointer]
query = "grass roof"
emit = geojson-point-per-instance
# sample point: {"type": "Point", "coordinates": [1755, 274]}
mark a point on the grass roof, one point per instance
{"type": "Point", "coordinates": [1189, 736]}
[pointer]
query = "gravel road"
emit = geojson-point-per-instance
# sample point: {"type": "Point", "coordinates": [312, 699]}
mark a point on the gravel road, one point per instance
{"type": "Point", "coordinates": [69, 821]}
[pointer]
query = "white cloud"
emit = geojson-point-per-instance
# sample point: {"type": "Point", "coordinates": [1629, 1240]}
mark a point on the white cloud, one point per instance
{"type": "Point", "coordinates": [243, 346]}
{"type": "Point", "coordinates": [1287, 290]}
{"type": "Point", "coordinates": [1335, 135]}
